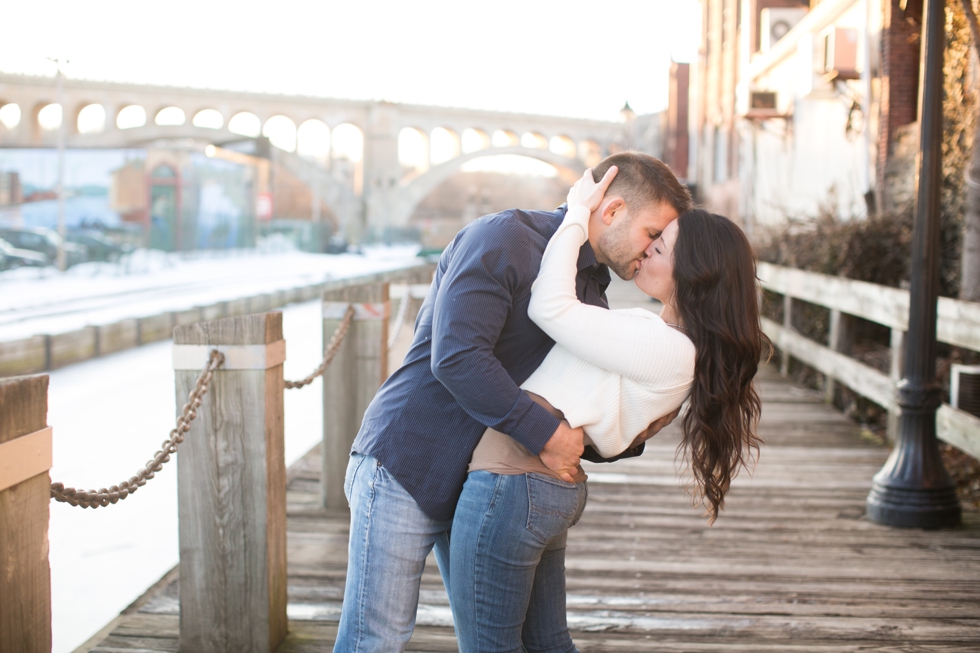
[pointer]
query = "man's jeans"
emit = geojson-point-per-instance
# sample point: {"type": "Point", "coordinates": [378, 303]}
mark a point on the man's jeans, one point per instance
{"type": "Point", "coordinates": [390, 537]}
{"type": "Point", "coordinates": [507, 562]}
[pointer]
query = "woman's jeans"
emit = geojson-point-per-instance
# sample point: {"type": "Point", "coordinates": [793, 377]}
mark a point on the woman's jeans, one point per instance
{"type": "Point", "coordinates": [507, 562]}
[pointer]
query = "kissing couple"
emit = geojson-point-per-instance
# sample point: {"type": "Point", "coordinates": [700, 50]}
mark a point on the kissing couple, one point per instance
{"type": "Point", "coordinates": [517, 371]}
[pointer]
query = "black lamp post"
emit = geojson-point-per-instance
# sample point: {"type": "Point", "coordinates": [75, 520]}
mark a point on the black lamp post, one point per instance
{"type": "Point", "coordinates": [913, 489]}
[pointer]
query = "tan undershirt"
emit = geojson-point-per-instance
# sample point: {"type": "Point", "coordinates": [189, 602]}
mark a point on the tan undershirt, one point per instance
{"type": "Point", "coordinates": [501, 454]}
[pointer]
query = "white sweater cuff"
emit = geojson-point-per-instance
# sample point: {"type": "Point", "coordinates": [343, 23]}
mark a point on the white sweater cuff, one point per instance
{"type": "Point", "coordinates": [579, 216]}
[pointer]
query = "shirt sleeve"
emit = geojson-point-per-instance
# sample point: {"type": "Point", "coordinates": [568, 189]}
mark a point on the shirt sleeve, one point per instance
{"type": "Point", "coordinates": [471, 309]}
{"type": "Point", "coordinates": [638, 346]}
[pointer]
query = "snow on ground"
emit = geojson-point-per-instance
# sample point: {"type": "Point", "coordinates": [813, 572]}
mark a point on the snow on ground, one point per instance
{"type": "Point", "coordinates": [109, 416]}
{"type": "Point", "coordinates": [45, 301]}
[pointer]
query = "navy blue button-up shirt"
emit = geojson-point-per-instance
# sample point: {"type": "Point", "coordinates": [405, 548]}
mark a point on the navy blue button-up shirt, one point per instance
{"type": "Point", "coordinates": [474, 345]}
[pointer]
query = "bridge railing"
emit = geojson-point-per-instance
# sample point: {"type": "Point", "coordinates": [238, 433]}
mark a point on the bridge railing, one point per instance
{"type": "Point", "coordinates": [231, 483]}
{"type": "Point", "coordinates": [958, 325]}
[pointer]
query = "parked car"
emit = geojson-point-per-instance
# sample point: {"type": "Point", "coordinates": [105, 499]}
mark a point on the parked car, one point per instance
{"type": "Point", "coordinates": [11, 257]}
{"type": "Point", "coordinates": [45, 241]}
{"type": "Point", "coordinates": [100, 247]}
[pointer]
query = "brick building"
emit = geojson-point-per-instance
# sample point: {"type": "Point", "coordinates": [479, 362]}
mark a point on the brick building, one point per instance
{"type": "Point", "coordinates": [794, 107]}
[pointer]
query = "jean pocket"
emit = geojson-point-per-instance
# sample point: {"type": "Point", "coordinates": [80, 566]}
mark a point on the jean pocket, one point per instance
{"type": "Point", "coordinates": [553, 505]}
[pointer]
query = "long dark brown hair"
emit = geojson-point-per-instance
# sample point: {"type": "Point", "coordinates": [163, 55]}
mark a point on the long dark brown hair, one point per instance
{"type": "Point", "coordinates": [716, 300]}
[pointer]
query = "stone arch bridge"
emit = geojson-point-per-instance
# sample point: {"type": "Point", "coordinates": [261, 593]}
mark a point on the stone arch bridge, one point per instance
{"type": "Point", "coordinates": [348, 151]}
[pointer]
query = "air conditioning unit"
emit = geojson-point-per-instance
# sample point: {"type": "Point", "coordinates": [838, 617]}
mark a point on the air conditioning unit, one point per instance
{"type": "Point", "coordinates": [964, 388]}
{"type": "Point", "coordinates": [840, 53]}
{"type": "Point", "coordinates": [762, 105]}
{"type": "Point", "coordinates": [775, 22]}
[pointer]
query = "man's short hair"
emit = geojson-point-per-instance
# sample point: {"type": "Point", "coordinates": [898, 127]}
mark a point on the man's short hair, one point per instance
{"type": "Point", "coordinates": [644, 181]}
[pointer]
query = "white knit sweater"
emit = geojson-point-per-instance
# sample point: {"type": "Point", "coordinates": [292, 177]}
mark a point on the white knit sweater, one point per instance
{"type": "Point", "coordinates": [612, 372]}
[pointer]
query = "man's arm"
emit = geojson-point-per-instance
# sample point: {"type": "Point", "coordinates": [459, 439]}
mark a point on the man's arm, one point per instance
{"type": "Point", "coordinates": [488, 266]}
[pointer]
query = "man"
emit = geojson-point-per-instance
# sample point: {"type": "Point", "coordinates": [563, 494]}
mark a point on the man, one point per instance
{"type": "Point", "coordinates": [474, 345]}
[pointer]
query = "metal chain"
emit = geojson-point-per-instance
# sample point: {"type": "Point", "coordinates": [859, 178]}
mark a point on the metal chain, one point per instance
{"type": "Point", "coordinates": [401, 317]}
{"type": "Point", "coordinates": [105, 496]}
{"type": "Point", "coordinates": [332, 347]}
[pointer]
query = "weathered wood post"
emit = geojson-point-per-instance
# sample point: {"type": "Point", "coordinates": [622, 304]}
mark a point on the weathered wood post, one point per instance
{"type": "Point", "coordinates": [352, 380]}
{"type": "Point", "coordinates": [788, 323]}
{"type": "Point", "coordinates": [25, 495]}
{"type": "Point", "coordinates": [231, 490]}
{"type": "Point", "coordinates": [840, 339]}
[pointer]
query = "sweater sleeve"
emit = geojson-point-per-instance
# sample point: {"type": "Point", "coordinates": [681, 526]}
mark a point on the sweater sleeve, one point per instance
{"type": "Point", "coordinates": [640, 347]}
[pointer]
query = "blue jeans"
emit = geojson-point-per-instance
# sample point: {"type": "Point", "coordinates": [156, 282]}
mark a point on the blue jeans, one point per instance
{"type": "Point", "coordinates": [507, 563]}
{"type": "Point", "coordinates": [390, 537]}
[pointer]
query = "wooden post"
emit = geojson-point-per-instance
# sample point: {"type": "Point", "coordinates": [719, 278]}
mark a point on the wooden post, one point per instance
{"type": "Point", "coordinates": [352, 380]}
{"type": "Point", "coordinates": [788, 323]}
{"type": "Point", "coordinates": [840, 339]}
{"type": "Point", "coordinates": [25, 495]}
{"type": "Point", "coordinates": [231, 489]}
{"type": "Point", "coordinates": [896, 372]}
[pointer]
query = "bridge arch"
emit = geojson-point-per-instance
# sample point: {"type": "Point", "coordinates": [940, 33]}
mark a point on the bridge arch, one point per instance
{"type": "Point", "coordinates": [411, 193]}
{"type": "Point", "coordinates": [170, 117]}
{"type": "Point", "coordinates": [313, 140]}
{"type": "Point", "coordinates": [90, 118]}
{"type": "Point", "coordinates": [131, 116]}
{"type": "Point", "coordinates": [10, 114]}
{"type": "Point", "coordinates": [474, 139]}
{"type": "Point", "coordinates": [444, 145]}
{"type": "Point", "coordinates": [208, 119]}
{"type": "Point", "coordinates": [281, 132]}
{"type": "Point", "coordinates": [245, 123]}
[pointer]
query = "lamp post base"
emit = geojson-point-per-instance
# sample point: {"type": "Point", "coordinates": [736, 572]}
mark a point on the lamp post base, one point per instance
{"type": "Point", "coordinates": [905, 507]}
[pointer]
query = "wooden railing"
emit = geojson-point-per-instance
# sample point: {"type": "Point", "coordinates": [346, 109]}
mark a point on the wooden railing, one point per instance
{"type": "Point", "coordinates": [958, 325]}
{"type": "Point", "coordinates": [231, 470]}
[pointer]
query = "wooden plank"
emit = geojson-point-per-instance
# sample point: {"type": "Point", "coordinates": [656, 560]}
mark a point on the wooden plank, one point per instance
{"type": "Point", "coordinates": [118, 336]}
{"type": "Point", "coordinates": [958, 321]}
{"type": "Point", "coordinates": [859, 377]}
{"type": "Point", "coordinates": [959, 428]}
{"type": "Point", "coordinates": [72, 347]}
{"type": "Point", "coordinates": [231, 498]}
{"type": "Point", "coordinates": [25, 575]}
{"type": "Point", "coordinates": [349, 385]}
{"type": "Point", "coordinates": [27, 356]}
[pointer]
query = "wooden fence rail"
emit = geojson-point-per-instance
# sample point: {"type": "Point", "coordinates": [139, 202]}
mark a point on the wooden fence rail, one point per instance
{"type": "Point", "coordinates": [958, 324]}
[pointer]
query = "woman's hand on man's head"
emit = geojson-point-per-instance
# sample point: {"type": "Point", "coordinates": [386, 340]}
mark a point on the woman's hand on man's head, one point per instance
{"type": "Point", "coordinates": [589, 193]}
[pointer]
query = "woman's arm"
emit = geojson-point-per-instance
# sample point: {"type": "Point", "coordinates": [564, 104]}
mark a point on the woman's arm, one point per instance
{"type": "Point", "coordinates": [632, 345]}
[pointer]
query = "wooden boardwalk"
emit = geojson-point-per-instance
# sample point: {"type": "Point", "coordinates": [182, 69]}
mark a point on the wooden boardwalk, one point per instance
{"type": "Point", "coordinates": [792, 564]}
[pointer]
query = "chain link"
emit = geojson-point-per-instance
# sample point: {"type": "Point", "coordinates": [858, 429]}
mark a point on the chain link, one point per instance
{"type": "Point", "coordinates": [400, 318]}
{"type": "Point", "coordinates": [332, 347]}
{"type": "Point", "coordinates": [105, 496]}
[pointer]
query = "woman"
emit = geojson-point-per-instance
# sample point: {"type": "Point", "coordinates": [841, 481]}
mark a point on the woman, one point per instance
{"type": "Point", "coordinates": [612, 373]}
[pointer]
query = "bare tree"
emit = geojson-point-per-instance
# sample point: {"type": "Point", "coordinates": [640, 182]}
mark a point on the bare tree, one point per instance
{"type": "Point", "coordinates": [970, 258]}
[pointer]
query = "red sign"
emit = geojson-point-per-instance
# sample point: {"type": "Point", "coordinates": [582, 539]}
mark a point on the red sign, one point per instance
{"type": "Point", "coordinates": [263, 206]}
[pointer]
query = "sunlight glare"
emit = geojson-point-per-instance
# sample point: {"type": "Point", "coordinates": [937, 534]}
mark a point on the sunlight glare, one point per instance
{"type": "Point", "coordinates": [313, 140]}
{"type": "Point", "coordinates": [474, 140]}
{"type": "Point", "coordinates": [412, 149]}
{"type": "Point", "coordinates": [170, 117]}
{"type": "Point", "coordinates": [534, 141]}
{"type": "Point", "coordinates": [10, 115]}
{"type": "Point", "coordinates": [49, 117]}
{"type": "Point", "coordinates": [348, 142]}
{"type": "Point", "coordinates": [510, 164]}
{"type": "Point", "coordinates": [503, 138]}
{"type": "Point", "coordinates": [245, 123]}
{"type": "Point", "coordinates": [563, 145]}
{"type": "Point", "coordinates": [444, 144]}
{"type": "Point", "coordinates": [281, 132]}
{"type": "Point", "coordinates": [209, 119]}
{"type": "Point", "coordinates": [132, 116]}
{"type": "Point", "coordinates": [91, 119]}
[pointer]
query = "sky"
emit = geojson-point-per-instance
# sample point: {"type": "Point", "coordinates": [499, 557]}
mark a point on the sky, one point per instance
{"type": "Point", "coordinates": [552, 57]}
